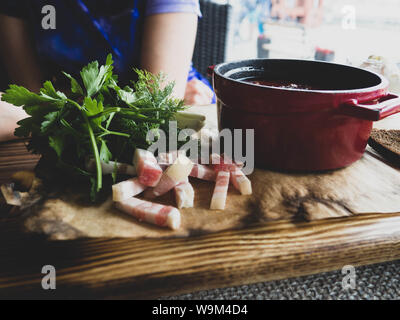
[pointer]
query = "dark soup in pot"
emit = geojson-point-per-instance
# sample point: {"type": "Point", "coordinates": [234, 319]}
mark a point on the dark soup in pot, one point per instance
{"type": "Point", "coordinates": [286, 84]}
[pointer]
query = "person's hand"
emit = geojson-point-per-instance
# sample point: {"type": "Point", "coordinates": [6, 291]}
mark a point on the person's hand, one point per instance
{"type": "Point", "coordinates": [197, 93]}
{"type": "Point", "coordinates": [9, 116]}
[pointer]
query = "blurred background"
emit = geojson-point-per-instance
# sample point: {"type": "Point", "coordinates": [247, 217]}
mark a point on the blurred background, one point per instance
{"type": "Point", "coordinates": [355, 32]}
{"type": "Point", "coordinates": [345, 31]}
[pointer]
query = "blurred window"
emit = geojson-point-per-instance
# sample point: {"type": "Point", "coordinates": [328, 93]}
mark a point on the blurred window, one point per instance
{"type": "Point", "coordinates": [344, 31]}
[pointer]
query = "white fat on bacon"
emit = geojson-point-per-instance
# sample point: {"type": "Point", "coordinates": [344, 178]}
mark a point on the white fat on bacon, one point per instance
{"type": "Point", "coordinates": [148, 170]}
{"type": "Point", "coordinates": [218, 200]}
{"type": "Point", "coordinates": [154, 213]}
{"type": "Point", "coordinates": [202, 172]}
{"type": "Point", "coordinates": [177, 172]}
{"type": "Point", "coordinates": [168, 158]}
{"type": "Point", "coordinates": [241, 182]}
{"type": "Point", "coordinates": [184, 195]}
{"type": "Point", "coordinates": [237, 177]}
{"type": "Point", "coordinates": [127, 189]}
{"type": "Point", "coordinates": [108, 168]}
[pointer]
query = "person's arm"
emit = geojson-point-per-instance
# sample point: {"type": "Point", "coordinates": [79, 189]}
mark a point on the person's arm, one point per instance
{"type": "Point", "coordinates": [168, 45]}
{"type": "Point", "coordinates": [9, 116]}
{"type": "Point", "coordinates": [17, 53]}
{"type": "Point", "coordinates": [18, 58]}
{"type": "Point", "coordinates": [197, 93]}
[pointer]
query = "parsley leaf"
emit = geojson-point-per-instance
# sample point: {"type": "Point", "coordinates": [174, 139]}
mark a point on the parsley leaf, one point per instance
{"type": "Point", "coordinates": [51, 118]}
{"type": "Point", "coordinates": [94, 78]}
{"type": "Point", "coordinates": [105, 154]}
{"type": "Point", "coordinates": [99, 120]}
{"type": "Point", "coordinates": [49, 92]}
{"type": "Point", "coordinates": [20, 96]}
{"type": "Point", "coordinates": [57, 143]}
{"type": "Point", "coordinates": [75, 86]}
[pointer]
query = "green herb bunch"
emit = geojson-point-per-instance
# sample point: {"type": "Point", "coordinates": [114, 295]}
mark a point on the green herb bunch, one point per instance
{"type": "Point", "coordinates": [97, 119]}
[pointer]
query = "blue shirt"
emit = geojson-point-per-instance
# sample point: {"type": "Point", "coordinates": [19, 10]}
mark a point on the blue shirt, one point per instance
{"type": "Point", "coordinates": [87, 30]}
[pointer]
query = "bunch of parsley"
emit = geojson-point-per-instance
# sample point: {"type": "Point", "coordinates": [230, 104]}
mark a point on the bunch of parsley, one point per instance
{"type": "Point", "coordinates": [97, 119]}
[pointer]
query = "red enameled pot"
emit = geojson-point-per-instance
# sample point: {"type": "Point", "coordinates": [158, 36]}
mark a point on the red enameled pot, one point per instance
{"type": "Point", "coordinates": [303, 130]}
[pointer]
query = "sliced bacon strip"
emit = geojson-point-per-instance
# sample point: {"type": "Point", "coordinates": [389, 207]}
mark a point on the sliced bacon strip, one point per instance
{"type": "Point", "coordinates": [184, 195]}
{"type": "Point", "coordinates": [238, 179]}
{"type": "Point", "coordinates": [148, 170]}
{"type": "Point", "coordinates": [203, 172]}
{"type": "Point", "coordinates": [154, 213]}
{"type": "Point", "coordinates": [127, 189]}
{"type": "Point", "coordinates": [218, 163]}
{"type": "Point", "coordinates": [218, 200]}
{"type": "Point", "coordinates": [177, 172]}
{"type": "Point", "coordinates": [241, 182]}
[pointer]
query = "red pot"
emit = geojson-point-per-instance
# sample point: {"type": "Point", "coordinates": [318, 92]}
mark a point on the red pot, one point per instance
{"type": "Point", "coordinates": [303, 130]}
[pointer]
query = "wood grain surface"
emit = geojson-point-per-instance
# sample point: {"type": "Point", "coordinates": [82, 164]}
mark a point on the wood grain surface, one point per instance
{"type": "Point", "coordinates": [149, 268]}
{"type": "Point", "coordinates": [14, 157]}
{"type": "Point", "coordinates": [121, 268]}
{"type": "Point", "coordinates": [369, 185]}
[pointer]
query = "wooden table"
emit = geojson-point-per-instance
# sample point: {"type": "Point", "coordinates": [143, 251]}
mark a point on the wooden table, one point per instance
{"type": "Point", "coordinates": [123, 268]}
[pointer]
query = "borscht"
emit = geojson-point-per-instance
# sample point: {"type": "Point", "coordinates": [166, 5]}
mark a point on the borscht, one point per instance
{"type": "Point", "coordinates": [285, 84]}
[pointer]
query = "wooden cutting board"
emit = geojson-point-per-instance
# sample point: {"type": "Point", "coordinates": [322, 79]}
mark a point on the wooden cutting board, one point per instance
{"type": "Point", "coordinates": [144, 268]}
{"type": "Point", "coordinates": [367, 186]}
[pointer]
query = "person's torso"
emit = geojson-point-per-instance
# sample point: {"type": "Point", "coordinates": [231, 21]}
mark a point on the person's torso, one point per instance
{"type": "Point", "coordinates": [88, 30]}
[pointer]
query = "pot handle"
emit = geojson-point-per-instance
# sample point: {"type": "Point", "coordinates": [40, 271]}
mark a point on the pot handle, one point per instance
{"type": "Point", "coordinates": [386, 106]}
{"type": "Point", "coordinates": [210, 70]}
